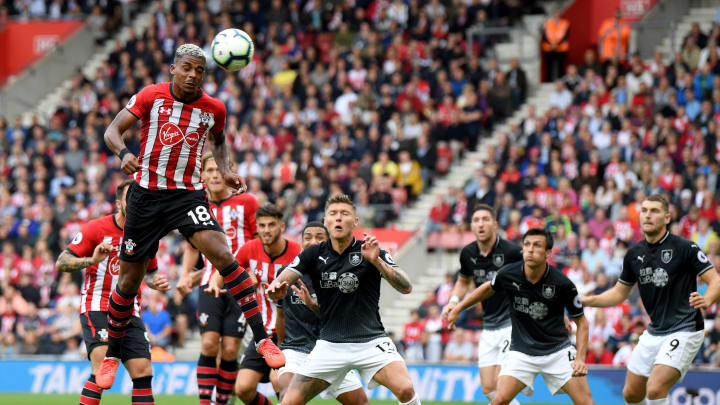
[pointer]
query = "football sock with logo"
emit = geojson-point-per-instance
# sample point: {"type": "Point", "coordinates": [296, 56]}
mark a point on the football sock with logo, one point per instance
{"type": "Point", "coordinates": [260, 400]}
{"type": "Point", "coordinates": [660, 401]}
{"type": "Point", "coordinates": [142, 391]}
{"type": "Point", "coordinates": [414, 401]}
{"type": "Point", "coordinates": [240, 286]}
{"type": "Point", "coordinates": [91, 393]}
{"type": "Point", "coordinates": [226, 380]}
{"type": "Point", "coordinates": [119, 313]}
{"type": "Point", "coordinates": [206, 376]}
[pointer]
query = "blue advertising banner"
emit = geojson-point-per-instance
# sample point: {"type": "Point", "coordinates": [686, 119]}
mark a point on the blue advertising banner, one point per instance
{"type": "Point", "coordinates": [432, 382]}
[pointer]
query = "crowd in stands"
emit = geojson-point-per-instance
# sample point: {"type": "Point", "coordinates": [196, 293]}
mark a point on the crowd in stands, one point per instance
{"type": "Point", "coordinates": [371, 98]}
{"type": "Point", "coordinates": [616, 132]}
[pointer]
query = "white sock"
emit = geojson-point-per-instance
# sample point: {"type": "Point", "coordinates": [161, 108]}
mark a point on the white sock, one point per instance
{"type": "Point", "coordinates": [414, 401]}
{"type": "Point", "coordinates": [636, 403]}
{"type": "Point", "coordinates": [514, 402]}
{"type": "Point", "coordinates": [661, 401]}
{"type": "Point", "coordinates": [490, 395]}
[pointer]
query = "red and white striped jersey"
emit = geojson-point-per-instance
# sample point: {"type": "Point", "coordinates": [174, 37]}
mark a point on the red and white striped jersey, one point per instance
{"type": "Point", "coordinates": [172, 136]}
{"type": "Point", "coordinates": [100, 279]}
{"type": "Point", "coordinates": [253, 258]}
{"type": "Point", "coordinates": [236, 216]}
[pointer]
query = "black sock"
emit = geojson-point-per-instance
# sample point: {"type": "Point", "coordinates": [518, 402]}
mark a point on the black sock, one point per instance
{"type": "Point", "coordinates": [226, 381]}
{"type": "Point", "coordinates": [240, 286]}
{"type": "Point", "coordinates": [142, 391]}
{"type": "Point", "coordinates": [91, 393]}
{"type": "Point", "coordinates": [206, 375]}
{"type": "Point", "coordinates": [260, 400]}
{"type": "Point", "coordinates": [119, 312]}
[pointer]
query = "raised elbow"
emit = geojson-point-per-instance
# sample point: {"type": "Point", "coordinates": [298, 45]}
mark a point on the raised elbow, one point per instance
{"type": "Point", "coordinates": [407, 290]}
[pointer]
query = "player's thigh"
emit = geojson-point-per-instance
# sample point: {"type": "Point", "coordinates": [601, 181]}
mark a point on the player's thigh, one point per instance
{"type": "Point", "coordinates": [396, 378]}
{"type": "Point", "coordinates": [284, 383]}
{"type": "Point", "coordinates": [349, 384]}
{"type": "Point", "coordinates": [579, 390]}
{"type": "Point", "coordinates": [556, 368]}
{"type": "Point", "coordinates": [95, 335]}
{"type": "Point", "coordinates": [303, 389]}
{"type": "Point", "coordinates": [678, 350]}
{"type": "Point", "coordinates": [354, 397]}
{"type": "Point", "coordinates": [145, 224]}
{"type": "Point", "coordinates": [662, 378]}
{"type": "Point", "coordinates": [488, 378]}
{"type": "Point", "coordinates": [507, 388]}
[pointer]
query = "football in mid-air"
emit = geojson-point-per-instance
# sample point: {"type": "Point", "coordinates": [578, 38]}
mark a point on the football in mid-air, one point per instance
{"type": "Point", "coordinates": [232, 49]}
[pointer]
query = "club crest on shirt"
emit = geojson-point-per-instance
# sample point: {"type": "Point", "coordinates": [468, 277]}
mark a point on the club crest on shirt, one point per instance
{"type": "Point", "coordinates": [498, 259]}
{"type": "Point", "coordinates": [666, 255]}
{"type": "Point", "coordinates": [206, 119]}
{"type": "Point", "coordinates": [548, 291]}
{"type": "Point", "coordinates": [348, 282]}
{"type": "Point", "coordinates": [355, 258]}
{"type": "Point", "coordinates": [102, 335]}
{"type": "Point", "coordinates": [203, 319]}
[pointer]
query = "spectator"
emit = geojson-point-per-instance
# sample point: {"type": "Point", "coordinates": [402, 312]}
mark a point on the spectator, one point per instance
{"type": "Point", "coordinates": [413, 336]}
{"type": "Point", "coordinates": [561, 96]}
{"type": "Point", "coordinates": [459, 349]}
{"type": "Point", "coordinates": [614, 36]}
{"type": "Point", "coordinates": [434, 329]}
{"type": "Point", "coordinates": [705, 236]}
{"type": "Point", "coordinates": [157, 321]}
{"type": "Point", "coordinates": [598, 354]}
{"type": "Point", "coordinates": [555, 45]}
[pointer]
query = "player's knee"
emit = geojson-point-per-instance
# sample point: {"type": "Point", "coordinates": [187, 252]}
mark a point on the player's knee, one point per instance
{"type": "Point", "coordinates": [229, 350]}
{"type": "Point", "coordinates": [500, 400]}
{"type": "Point", "coordinates": [487, 388]}
{"type": "Point", "coordinates": [656, 391]}
{"type": "Point", "coordinates": [292, 397]}
{"type": "Point", "coordinates": [245, 393]}
{"type": "Point", "coordinates": [209, 347]}
{"type": "Point", "coordinates": [406, 392]}
{"type": "Point", "coordinates": [632, 395]}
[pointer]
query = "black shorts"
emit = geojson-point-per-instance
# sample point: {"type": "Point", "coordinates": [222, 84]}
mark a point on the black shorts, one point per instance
{"type": "Point", "coordinates": [254, 361]}
{"type": "Point", "coordinates": [222, 315]}
{"type": "Point", "coordinates": [152, 214]}
{"type": "Point", "coordinates": [135, 344]}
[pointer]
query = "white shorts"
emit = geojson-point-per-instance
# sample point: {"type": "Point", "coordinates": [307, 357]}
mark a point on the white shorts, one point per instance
{"type": "Point", "coordinates": [332, 361]}
{"type": "Point", "coordinates": [676, 350]}
{"type": "Point", "coordinates": [493, 346]}
{"type": "Point", "coordinates": [295, 362]}
{"type": "Point", "coordinates": [555, 368]}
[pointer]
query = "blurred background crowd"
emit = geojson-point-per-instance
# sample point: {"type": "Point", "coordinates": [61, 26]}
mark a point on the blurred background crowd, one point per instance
{"type": "Point", "coordinates": [376, 99]}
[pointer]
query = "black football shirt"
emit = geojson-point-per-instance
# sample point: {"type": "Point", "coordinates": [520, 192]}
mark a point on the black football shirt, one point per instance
{"type": "Point", "coordinates": [496, 309]}
{"type": "Point", "coordinates": [537, 310]}
{"type": "Point", "coordinates": [348, 291]}
{"type": "Point", "coordinates": [302, 326]}
{"type": "Point", "coordinates": [666, 273]}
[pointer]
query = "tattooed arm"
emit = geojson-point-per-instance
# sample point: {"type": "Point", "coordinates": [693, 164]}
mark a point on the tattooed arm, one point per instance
{"type": "Point", "coordinates": [395, 276]}
{"type": "Point", "coordinates": [67, 262]}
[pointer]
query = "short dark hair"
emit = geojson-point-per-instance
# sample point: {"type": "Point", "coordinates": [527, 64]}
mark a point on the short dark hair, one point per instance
{"type": "Point", "coordinates": [269, 210]}
{"type": "Point", "coordinates": [121, 188]}
{"type": "Point", "coordinates": [484, 207]}
{"type": "Point", "coordinates": [340, 199]}
{"type": "Point", "coordinates": [315, 224]}
{"type": "Point", "coordinates": [541, 232]}
{"type": "Point", "coordinates": [661, 199]}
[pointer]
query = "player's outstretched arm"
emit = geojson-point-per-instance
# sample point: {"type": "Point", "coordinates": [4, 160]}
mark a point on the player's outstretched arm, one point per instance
{"type": "Point", "coordinates": [279, 287]}
{"type": "Point", "coordinates": [67, 262]}
{"type": "Point", "coordinates": [479, 294]}
{"type": "Point", "coordinates": [113, 139]}
{"type": "Point", "coordinates": [609, 298]}
{"type": "Point", "coordinates": [583, 331]}
{"type": "Point", "coordinates": [712, 294]}
{"type": "Point", "coordinates": [462, 285]}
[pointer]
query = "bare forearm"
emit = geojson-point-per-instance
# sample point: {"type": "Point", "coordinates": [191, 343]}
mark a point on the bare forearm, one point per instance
{"type": "Point", "coordinates": [113, 139]}
{"type": "Point", "coordinates": [395, 276]}
{"type": "Point", "coordinates": [581, 337]}
{"type": "Point", "coordinates": [68, 263]}
{"type": "Point", "coordinates": [462, 285]}
{"type": "Point", "coordinates": [609, 298]}
{"type": "Point", "coordinates": [713, 291]}
{"type": "Point", "coordinates": [478, 295]}
{"type": "Point", "coordinates": [288, 276]}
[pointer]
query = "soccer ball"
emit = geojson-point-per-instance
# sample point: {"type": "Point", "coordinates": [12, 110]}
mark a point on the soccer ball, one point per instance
{"type": "Point", "coordinates": [232, 49]}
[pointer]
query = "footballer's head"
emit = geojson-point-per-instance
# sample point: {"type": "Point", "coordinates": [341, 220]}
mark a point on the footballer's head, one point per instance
{"type": "Point", "coordinates": [313, 233]}
{"type": "Point", "coordinates": [340, 216]}
{"type": "Point", "coordinates": [270, 225]}
{"type": "Point", "coordinates": [188, 69]}
{"type": "Point", "coordinates": [121, 196]}
{"type": "Point", "coordinates": [537, 243]}
{"type": "Point", "coordinates": [654, 215]}
{"type": "Point", "coordinates": [483, 223]}
{"type": "Point", "coordinates": [210, 174]}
